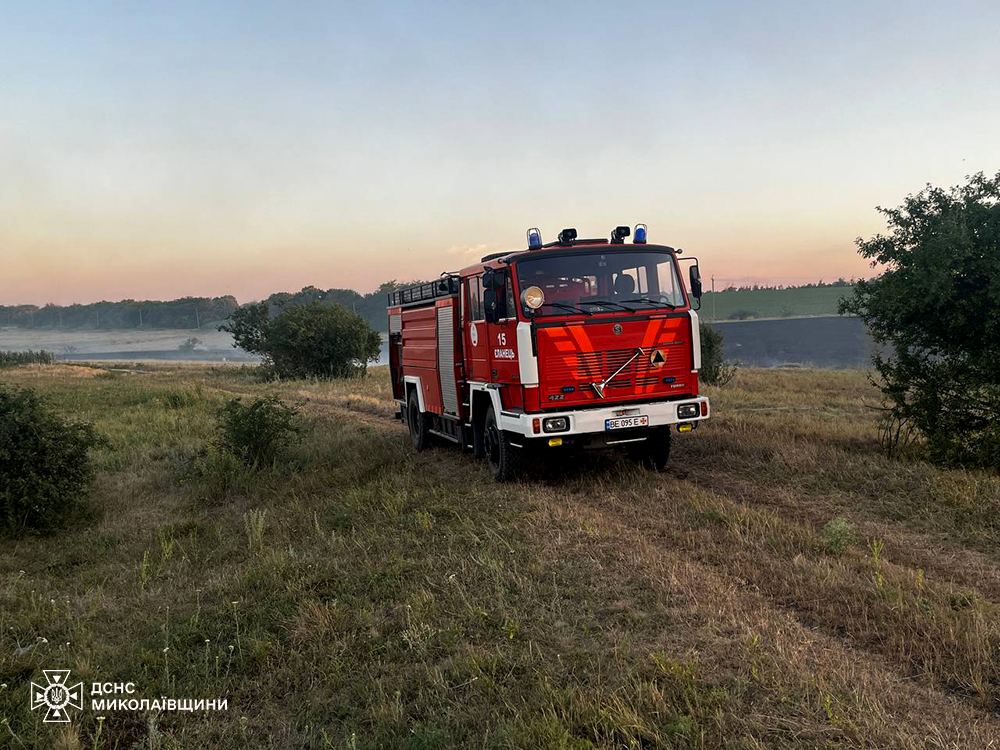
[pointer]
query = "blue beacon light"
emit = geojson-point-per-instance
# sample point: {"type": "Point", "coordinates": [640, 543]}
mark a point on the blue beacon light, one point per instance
{"type": "Point", "coordinates": [534, 238]}
{"type": "Point", "coordinates": [639, 235]}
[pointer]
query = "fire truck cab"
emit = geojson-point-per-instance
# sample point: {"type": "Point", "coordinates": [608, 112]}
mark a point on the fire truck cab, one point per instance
{"type": "Point", "coordinates": [574, 344]}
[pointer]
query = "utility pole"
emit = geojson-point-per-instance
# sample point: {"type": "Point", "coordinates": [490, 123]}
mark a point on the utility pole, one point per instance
{"type": "Point", "coordinates": [140, 316]}
{"type": "Point", "coordinates": [713, 299]}
{"type": "Point", "coordinates": [197, 317]}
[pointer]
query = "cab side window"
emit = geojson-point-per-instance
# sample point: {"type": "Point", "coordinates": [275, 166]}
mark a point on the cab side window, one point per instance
{"type": "Point", "coordinates": [505, 298]}
{"type": "Point", "coordinates": [511, 303]}
{"type": "Point", "coordinates": [476, 298]}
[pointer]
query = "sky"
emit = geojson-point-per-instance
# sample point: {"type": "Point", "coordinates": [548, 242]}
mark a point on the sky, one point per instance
{"type": "Point", "coordinates": [152, 151]}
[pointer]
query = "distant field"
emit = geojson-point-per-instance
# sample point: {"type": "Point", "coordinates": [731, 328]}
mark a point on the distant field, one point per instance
{"type": "Point", "coordinates": [773, 303]}
{"type": "Point", "coordinates": [395, 600]}
{"type": "Point", "coordinates": [84, 343]}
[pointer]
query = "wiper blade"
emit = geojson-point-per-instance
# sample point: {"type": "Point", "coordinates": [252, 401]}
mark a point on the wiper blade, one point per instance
{"type": "Point", "coordinates": [653, 302]}
{"type": "Point", "coordinates": [602, 303]}
{"type": "Point", "coordinates": [571, 308]}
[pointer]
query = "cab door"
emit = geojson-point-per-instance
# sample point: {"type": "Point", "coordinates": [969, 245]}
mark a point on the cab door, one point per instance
{"type": "Point", "coordinates": [474, 330]}
{"type": "Point", "coordinates": [502, 331]}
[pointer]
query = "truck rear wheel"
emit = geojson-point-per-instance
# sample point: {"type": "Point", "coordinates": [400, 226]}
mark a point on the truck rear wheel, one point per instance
{"type": "Point", "coordinates": [505, 460]}
{"type": "Point", "coordinates": [653, 452]}
{"type": "Point", "coordinates": [416, 420]}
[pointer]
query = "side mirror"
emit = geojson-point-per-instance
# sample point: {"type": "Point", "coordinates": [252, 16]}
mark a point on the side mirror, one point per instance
{"type": "Point", "coordinates": [695, 282]}
{"type": "Point", "coordinates": [491, 305]}
{"type": "Point", "coordinates": [492, 279]}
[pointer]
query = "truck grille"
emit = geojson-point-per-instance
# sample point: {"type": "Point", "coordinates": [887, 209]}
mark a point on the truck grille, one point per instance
{"type": "Point", "coordinates": [589, 367]}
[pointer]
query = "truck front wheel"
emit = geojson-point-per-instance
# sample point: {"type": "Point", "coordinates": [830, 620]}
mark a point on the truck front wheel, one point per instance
{"type": "Point", "coordinates": [416, 420]}
{"type": "Point", "coordinates": [505, 460]}
{"type": "Point", "coordinates": [653, 452]}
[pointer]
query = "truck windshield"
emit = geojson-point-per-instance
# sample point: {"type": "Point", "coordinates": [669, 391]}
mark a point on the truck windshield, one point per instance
{"type": "Point", "coordinates": [603, 281]}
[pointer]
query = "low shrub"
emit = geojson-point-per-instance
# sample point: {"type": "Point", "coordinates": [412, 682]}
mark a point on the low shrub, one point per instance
{"type": "Point", "coordinates": [12, 359]}
{"type": "Point", "coordinates": [715, 370]}
{"type": "Point", "coordinates": [181, 399]}
{"type": "Point", "coordinates": [837, 536]}
{"type": "Point", "coordinates": [257, 432]}
{"type": "Point", "coordinates": [217, 478]}
{"type": "Point", "coordinates": [45, 466]}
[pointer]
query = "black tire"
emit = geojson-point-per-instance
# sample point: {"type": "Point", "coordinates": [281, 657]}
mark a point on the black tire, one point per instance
{"type": "Point", "coordinates": [417, 422]}
{"type": "Point", "coordinates": [505, 461]}
{"type": "Point", "coordinates": [653, 452]}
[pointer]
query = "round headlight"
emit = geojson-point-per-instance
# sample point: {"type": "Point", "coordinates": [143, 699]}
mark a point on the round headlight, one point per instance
{"type": "Point", "coordinates": [533, 297]}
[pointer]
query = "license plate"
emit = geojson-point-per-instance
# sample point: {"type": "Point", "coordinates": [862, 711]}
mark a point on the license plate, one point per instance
{"type": "Point", "coordinates": [622, 423]}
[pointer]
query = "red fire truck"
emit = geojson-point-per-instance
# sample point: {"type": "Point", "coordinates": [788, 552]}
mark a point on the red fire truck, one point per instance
{"type": "Point", "coordinates": [574, 344]}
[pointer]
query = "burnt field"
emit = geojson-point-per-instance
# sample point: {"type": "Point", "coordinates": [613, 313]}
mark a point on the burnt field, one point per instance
{"type": "Point", "coordinates": [835, 342]}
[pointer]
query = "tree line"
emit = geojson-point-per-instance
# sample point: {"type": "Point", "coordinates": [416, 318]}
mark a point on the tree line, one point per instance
{"type": "Point", "coordinates": [839, 283]}
{"type": "Point", "coordinates": [369, 306]}
{"type": "Point", "coordinates": [192, 312]}
{"type": "Point", "coordinates": [186, 312]}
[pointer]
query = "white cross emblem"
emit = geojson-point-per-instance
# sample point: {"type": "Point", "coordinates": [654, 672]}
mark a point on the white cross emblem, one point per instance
{"type": "Point", "coordinates": [57, 695]}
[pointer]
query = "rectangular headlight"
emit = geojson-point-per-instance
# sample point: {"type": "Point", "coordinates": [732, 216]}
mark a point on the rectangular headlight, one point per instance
{"type": "Point", "coordinates": [555, 424]}
{"type": "Point", "coordinates": [686, 411]}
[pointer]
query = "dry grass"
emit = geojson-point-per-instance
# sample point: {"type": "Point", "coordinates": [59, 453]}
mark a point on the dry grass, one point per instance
{"type": "Point", "coordinates": [374, 598]}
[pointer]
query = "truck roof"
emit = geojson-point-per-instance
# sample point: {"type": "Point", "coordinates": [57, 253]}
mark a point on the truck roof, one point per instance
{"type": "Point", "coordinates": [557, 248]}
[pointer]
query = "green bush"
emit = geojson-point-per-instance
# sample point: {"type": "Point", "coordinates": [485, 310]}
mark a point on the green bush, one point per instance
{"type": "Point", "coordinates": [715, 370]}
{"type": "Point", "coordinates": [324, 341]}
{"type": "Point", "coordinates": [218, 478]}
{"type": "Point", "coordinates": [11, 359]}
{"type": "Point", "coordinates": [257, 432]}
{"type": "Point", "coordinates": [45, 467]}
{"type": "Point", "coordinates": [837, 535]}
{"type": "Point", "coordinates": [936, 308]}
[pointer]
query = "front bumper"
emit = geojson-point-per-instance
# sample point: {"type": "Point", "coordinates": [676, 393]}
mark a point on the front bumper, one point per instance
{"type": "Point", "coordinates": [586, 421]}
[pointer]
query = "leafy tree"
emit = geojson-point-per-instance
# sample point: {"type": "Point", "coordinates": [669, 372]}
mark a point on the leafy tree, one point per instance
{"type": "Point", "coordinates": [248, 325]}
{"type": "Point", "coordinates": [314, 340]}
{"type": "Point", "coordinates": [45, 467]}
{"type": "Point", "coordinates": [937, 307]}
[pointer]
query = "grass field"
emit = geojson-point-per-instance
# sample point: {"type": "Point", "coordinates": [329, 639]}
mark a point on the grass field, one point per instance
{"type": "Point", "coordinates": [773, 303]}
{"type": "Point", "coordinates": [362, 596]}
